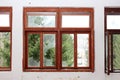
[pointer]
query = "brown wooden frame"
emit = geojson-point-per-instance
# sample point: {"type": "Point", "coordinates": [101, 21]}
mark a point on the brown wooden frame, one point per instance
{"type": "Point", "coordinates": [7, 29]}
{"type": "Point", "coordinates": [59, 30]}
{"type": "Point", "coordinates": [109, 34]}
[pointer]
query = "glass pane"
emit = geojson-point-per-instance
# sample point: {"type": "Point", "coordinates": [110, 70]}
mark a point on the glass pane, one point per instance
{"type": "Point", "coordinates": [67, 50]}
{"type": "Point", "coordinates": [33, 50]}
{"type": "Point", "coordinates": [41, 20]}
{"type": "Point", "coordinates": [116, 51]}
{"type": "Point", "coordinates": [77, 21]}
{"type": "Point", "coordinates": [4, 20]}
{"type": "Point", "coordinates": [82, 50]}
{"type": "Point", "coordinates": [106, 57]}
{"type": "Point", "coordinates": [113, 21]}
{"type": "Point", "coordinates": [4, 49]}
{"type": "Point", "coordinates": [49, 49]}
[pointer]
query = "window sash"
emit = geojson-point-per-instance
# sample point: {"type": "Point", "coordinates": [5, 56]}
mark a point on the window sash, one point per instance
{"type": "Point", "coordinates": [41, 53]}
{"type": "Point", "coordinates": [33, 16]}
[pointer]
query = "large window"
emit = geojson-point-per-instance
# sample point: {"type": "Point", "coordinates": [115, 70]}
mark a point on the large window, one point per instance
{"type": "Point", "coordinates": [5, 38]}
{"type": "Point", "coordinates": [112, 40]}
{"type": "Point", "coordinates": [58, 39]}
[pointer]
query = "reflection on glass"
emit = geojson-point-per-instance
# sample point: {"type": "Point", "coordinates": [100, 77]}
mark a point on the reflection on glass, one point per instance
{"type": "Point", "coordinates": [33, 50]}
{"type": "Point", "coordinates": [4, 20]}
{"type": "Point", "coordinates": [4, 49]}
{"type": "Point", "coordinates": [82, 50]}
{"type": "Point", "coordinates": [116, 51]}
{"type": "Point", "coordinates": [49, 49]}
{"type": "Point", "coordinates": [75, 21]}
{"type": "Point", "coordinates": [67, 50]}
{"type": "Point", "coordinates": [41, 21]}
{"type": "Point", "coordinates": [113, 21]}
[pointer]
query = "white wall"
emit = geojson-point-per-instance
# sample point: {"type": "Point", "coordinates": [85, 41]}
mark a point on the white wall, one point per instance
{"type": "Point", "coordinates": [17, 37]}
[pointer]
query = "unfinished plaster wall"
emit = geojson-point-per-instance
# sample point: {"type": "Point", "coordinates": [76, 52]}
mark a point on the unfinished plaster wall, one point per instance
{"type": "Point", "coordinates": [17, 40]}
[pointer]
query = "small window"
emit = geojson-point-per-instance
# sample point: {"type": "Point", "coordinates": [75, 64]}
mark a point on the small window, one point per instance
{"type": "Point", "coordinates": [112, 40]}
{"type": "Point", "coordinates": [75, 20]}
{"type": "Point", "coordinates": [5, 38]}
{"type": "Point", "coordinates": [5, 19]}
{"type": "Point", "coordinates": [33, 48]}
{"type": "Point", "coordinates": [49, 50]}
{"type": "Point", "coordinates": [41, 19]}
{"type": "Point", "coordinates": [83, 50]}
{"type": "Point", "coordinates": [113, 22]}
{"type": "Point", "coordinates": [67, 50]}
{"type": "Point", "coordinates": [58, 39]}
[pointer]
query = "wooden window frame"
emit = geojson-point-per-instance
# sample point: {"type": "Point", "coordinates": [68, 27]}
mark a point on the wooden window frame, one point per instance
{"type": "Point", "coordinates": [7, 29]}
{"type": "Point", "coordinates": [59, 30]}
{"type": "Point", "coordinates": [108, 39]}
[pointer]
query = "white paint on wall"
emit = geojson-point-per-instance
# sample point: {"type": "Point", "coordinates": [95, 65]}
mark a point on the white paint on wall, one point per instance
{"type": "Point", "coordinates": [17, 40]}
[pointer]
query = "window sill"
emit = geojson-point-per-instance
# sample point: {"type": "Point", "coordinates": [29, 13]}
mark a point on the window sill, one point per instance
{"type": "Point", "coordinates": [5, 69]}
{"type": "Point", "coordinates": [56, 70]}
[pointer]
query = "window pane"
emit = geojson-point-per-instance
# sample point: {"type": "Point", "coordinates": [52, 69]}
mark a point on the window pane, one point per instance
{"type": "Point", "coordinates": [116, 51]}
{"type": "Point", "coordinates": [77, 21]}
{"type": "Point", "coordinates": [67, 50]}
{"type": "Point", "coordinates": [4, 20]}
{"type": "Point", "coordinates": [106, 57]}
{"type": "Point", "coordinates": [33, 50]}
{"type": "Point", "coordinates": [49, 49]}
{"type": "Point", "coordinates": [41, 20]}
{"type": "Point", "coordinates": [82, 50]}
{"type": "Point", "coordinates": [113, 21]}
{"type": "Point", "coordinates": [4, 49]}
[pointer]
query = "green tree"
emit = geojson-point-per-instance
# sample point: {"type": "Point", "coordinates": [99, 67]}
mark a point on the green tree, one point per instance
{"type": "Point", "coordinates": [34, 46]}
{"type": "Point", "coordinates": [39, 20]}
{"type": "Point", "coordinates": [5, 49]}
{"type": "Point", "coordinates": [49, 49]}
{"type": "Point", "coordinates": [50, 54]}
{"type": "Point", "coordinates": [68, 49]}
{"type": "Point", "coordinates": [116, 51]}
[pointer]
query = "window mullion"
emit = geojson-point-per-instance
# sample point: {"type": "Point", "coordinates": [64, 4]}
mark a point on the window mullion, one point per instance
{"type": "Point", "coordinates": [111, 57]}
{"type": "Point", "coordinates": [75, 50]}
{"type": "Point", "coordinates": [59, 41]}
{"type": "Point", "coordinates": [26, 40]}
{"type": "Point", "coordinates": [109, 51]}
{"type": "Point", "coordinates": [59, 51]}
{"type": "Point", "coordinates": [41, 50]}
